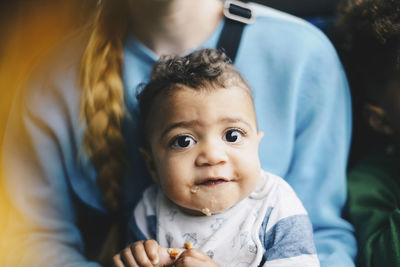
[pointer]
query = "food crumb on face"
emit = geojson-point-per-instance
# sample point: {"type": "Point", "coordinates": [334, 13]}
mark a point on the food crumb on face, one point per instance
{"type": "Point", "coordinates": [206, 211]}
{"type": "Point", "coordinates": [188, 245]}
{"type": "Point", "coordinates": [194, 189]}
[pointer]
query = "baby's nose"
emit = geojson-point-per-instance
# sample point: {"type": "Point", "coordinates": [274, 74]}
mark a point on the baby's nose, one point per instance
{"type": "Point", "coordinates": [211, 153]}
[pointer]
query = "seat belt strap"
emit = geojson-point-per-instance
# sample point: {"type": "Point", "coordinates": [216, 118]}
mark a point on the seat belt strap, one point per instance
{"type": "Point", "coordinates": [237, 15]}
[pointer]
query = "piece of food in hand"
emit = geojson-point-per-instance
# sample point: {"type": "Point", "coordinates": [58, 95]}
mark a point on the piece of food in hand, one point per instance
{"type": "Point", "coordinates": [188, 245]}
{"type": "Point", "coordinates": [174, 252]}
{"type": "Point", "coordinates": [206, 211]}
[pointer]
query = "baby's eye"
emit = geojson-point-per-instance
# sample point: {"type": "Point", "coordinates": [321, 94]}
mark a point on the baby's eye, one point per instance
{"type": "Point", "coordinates": [182, 141]}
{"type": "Point", "coordinates": [233, 136]}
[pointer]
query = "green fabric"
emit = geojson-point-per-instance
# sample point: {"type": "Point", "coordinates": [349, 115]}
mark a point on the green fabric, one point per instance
{"type": "Point", "coordinates": [374, 209]}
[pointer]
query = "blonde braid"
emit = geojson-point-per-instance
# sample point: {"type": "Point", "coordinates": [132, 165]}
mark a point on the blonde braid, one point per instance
{"type": "Point", "coordinates": [102, 101]}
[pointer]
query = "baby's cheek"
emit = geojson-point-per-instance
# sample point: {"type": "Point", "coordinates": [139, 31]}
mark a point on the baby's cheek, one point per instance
{"type": "Point", "coordinates": [167, 188]}
{"type": "Point", "coordinates": [247, 186]}
{"type": "Point", "coordinates": [250, 178]}
{"type": "Point", "coordinates": [175, 191]}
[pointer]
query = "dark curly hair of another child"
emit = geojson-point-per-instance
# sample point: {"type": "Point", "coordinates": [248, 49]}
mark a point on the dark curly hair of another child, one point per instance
{"type": "Point", "coordinates": [370, 32]}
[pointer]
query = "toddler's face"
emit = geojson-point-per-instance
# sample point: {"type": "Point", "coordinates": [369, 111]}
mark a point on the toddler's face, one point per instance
{"type": "Point", "coordinates": [391, 104]}
{"type": "Point", "coordinates": [204, 148]}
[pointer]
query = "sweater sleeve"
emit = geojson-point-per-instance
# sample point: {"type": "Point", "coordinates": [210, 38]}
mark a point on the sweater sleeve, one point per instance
{"type": "Point", "coordinates": [322, 137]}
{"type": "Point", "coordinates": [373, 208]}
{"type": "Point", "coordinates": [38, 159]}
{"type": "Point", "coordinates": [286, 232]}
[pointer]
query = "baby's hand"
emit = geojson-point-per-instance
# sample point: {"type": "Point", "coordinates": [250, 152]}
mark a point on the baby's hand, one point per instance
{"type": "Point", "coordinates": [194, 258]}
{"type": "Point", "coordinates": [143, 253]}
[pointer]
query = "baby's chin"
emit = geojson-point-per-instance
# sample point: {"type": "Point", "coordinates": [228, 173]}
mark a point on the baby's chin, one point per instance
{"type": "Point", "coordinates": [208, 209]}
{"type": "Point", "coordinates": [201, 212]}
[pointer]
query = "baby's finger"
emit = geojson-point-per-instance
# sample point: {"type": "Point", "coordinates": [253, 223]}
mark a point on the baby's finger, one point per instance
{"type": "Point", "coordinates": [151, 248]}
{"type": "Point", "coordinates": [127, 257]}
{"type": "Point", "coordinates": [117, 261]}
{"type": "Point", "coordinates": [196, 253]}
{"type": "Point", "coordinates": [140, 254]}
{"type": "Point", "coordinates": [194, 258]}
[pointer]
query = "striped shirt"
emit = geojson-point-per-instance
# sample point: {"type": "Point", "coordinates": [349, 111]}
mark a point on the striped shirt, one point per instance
{"type": "Point", "coordinates": [270, 227]}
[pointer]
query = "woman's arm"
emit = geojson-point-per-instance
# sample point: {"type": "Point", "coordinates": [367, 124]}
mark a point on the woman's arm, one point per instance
{"type": "Point", "coordinates": [39, 159]}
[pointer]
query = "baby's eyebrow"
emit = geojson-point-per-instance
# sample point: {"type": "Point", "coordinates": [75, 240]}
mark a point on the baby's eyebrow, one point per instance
{"type": "Point", "coordinates": [235, 120]}
{"type": "Point", "coordinates": [180, 124]}
{"type": "Point", "coordinates": [192, 123]}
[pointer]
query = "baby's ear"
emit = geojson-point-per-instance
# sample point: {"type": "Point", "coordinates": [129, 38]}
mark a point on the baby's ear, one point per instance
{"type": "Point", "coordinates": [377, 119]}
{"type": "Point", "coordinates": [148, 158]}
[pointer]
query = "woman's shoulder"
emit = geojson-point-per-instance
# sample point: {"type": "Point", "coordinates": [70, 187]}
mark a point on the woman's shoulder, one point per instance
{"type": "Point", "coordinates": [57, 64]}
{"type": "Point", "coordinates": [271, 20]}
{"type": "Point", "coordinates": [264, 11]}
{"type": "Point", "coordinates": [288, 38]}
{"type": "Point", "coordinates": [53, 79]}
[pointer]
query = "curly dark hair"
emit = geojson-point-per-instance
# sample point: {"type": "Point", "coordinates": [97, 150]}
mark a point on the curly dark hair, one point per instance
{"type": "Point", "coordinates": [205, 69]}
{"type": "Point", "coordinates": [371, 44]}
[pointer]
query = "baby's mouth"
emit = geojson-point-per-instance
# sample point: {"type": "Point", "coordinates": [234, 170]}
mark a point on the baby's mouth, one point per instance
{"type": "Point", "coordinates": [212, 181]}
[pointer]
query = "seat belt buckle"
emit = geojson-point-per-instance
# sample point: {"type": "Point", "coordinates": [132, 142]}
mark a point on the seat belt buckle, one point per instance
{"type": "Point", "coordinates": [239, 11]}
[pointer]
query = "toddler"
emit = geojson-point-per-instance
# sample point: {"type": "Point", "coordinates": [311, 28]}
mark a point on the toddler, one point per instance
{"type": "Point", "coordinates": [202, 142]}
{"type": "Point", "coordinates": [372, 31]}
